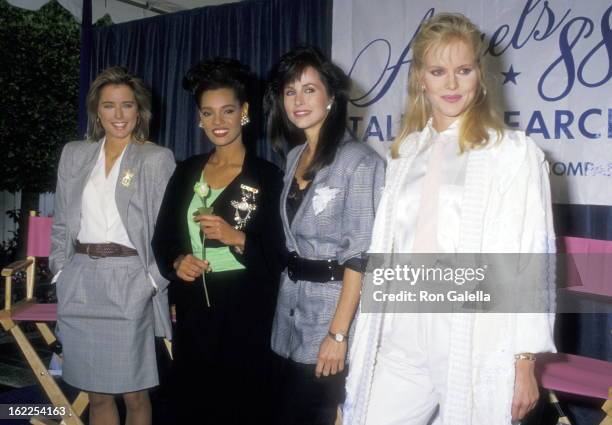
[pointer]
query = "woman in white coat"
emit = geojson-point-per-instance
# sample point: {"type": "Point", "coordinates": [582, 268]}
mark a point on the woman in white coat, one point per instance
{"type": "Point", "coordinates": [457, 182]}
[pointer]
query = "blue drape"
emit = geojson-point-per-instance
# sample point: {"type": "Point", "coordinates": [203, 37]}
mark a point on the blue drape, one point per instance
{"type": "Point", "coordinates": [84, 65]}
{"type": "Point", "coordinates": [583, 221]}
{"type": "Point", "coordinates": [161, 50]}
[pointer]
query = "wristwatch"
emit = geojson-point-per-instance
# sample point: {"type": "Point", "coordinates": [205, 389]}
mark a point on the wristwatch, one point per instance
{"type": "Point", "coordinates": [337, 337]}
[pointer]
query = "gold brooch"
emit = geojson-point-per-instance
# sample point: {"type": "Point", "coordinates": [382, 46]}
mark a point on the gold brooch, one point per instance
{"type": "Point", "coordinates": [127, 178]}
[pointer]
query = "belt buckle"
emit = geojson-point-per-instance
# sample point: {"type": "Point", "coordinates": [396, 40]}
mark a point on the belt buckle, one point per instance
{"type": "Point", "coordinates": [331, 269]}
{"type": "Point", "coordinates": [89, 255]}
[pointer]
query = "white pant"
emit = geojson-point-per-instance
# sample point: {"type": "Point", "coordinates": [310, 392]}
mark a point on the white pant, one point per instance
{"type": "Point", "coordinates": [411, 370]}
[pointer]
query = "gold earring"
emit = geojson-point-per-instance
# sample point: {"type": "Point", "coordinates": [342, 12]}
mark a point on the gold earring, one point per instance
{"type": "Point", "coordinates": [244, 119]}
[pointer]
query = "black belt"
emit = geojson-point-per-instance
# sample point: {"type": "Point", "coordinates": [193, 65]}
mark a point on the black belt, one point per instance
{"type": "Point", "coordinates": [313, 270]}
{"type": "Point", "coordinates": [103, 250]}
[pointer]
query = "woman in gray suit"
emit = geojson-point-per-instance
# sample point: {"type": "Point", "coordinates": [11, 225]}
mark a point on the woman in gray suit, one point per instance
{"type": "Point", "coordinates": [112, 300]}
{"type": "Point", "coordinates": [330, 194]}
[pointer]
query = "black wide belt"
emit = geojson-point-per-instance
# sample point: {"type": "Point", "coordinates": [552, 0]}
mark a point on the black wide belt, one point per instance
{"type": "Point", "coordinates": [103, 250]}
{"type": "Point", "coordinates": [313, 270]}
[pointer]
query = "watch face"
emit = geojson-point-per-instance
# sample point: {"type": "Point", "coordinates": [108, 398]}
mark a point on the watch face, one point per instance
{"type": "Point", "coordinates": [339, 337]}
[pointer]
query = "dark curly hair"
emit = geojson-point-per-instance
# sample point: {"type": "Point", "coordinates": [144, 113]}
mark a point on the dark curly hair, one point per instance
{"type": "Point", "coordinates": [281, 130]}
{"type": "Point", "coordinates": [219, 73]}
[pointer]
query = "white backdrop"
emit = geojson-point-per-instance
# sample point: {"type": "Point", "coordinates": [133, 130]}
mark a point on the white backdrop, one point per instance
{"type": "Point", "coordinates": [551, 69]}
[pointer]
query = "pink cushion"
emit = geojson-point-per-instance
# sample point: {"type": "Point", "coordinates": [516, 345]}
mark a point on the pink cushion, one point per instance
{"type": "Point", "coordinates": [575, 374]}
{"type": "Point", "coordinates": [37, 313]}
{"type": "Point", "coordinates": [590, 270]}
{"type": "Point", "coordinates": [39, 236]}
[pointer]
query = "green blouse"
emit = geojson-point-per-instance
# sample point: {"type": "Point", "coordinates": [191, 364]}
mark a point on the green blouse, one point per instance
{"type": "Point", "coordinates": [220, 259]}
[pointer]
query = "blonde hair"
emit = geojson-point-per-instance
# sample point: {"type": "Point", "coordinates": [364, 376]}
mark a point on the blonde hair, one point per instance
{"type": "Point", "coordinates": [443, 29]}
{"type": "Point", "coordinates": [118, 75]}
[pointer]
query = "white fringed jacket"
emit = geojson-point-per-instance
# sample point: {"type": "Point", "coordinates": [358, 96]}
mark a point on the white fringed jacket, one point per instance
{"type": "Point", "coordinates": [506, 208]}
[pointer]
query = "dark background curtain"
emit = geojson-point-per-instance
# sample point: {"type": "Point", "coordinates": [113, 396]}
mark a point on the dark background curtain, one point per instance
{"type": "Point", "coordinates": [163, 48]}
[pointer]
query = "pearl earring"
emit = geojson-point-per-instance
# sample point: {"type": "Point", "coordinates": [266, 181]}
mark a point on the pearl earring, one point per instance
{"type": "Point", "coordinates": [200, 124]}
{"type": "Point", "coordinates": [328, 107]}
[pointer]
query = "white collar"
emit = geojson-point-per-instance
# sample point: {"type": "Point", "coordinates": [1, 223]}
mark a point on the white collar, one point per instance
{"type": "Point", "coordinates": [428, 134]}
{"type": "Point", "coordinates": [100, 163]}
{"type": "Point", "coordinates": [451, 130]}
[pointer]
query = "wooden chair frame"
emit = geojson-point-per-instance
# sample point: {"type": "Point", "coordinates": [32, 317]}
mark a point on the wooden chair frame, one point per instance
{"type": "Point", "coordinates": [10, 324]}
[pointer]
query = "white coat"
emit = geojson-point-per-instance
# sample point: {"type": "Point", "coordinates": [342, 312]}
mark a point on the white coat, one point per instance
{"type": "Point", "coordinates": [506, 208]}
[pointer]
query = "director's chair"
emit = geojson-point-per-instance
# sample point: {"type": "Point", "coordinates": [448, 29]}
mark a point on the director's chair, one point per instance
{"type": "Point", "coordinates": [589, 272]}
{"type": "Point", "coordinates": [28, 310]}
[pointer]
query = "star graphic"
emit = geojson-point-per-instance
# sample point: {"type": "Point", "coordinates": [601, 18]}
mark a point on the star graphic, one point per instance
{"type": "Point", "coordinates": [510, 76]}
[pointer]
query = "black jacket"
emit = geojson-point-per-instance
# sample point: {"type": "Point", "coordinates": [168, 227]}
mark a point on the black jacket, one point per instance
{"type": "Point", "coordinates": [264, 253]}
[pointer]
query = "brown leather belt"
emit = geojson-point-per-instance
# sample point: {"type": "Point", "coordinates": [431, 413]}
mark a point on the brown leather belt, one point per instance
{"type": "Point", "coordinates": [103, 250]}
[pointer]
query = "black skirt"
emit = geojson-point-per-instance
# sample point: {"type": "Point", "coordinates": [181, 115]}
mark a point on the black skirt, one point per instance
{"type": "Point", "coordinates": [303, 399]}
{"type": "Point", "coordinates": [222, 356]}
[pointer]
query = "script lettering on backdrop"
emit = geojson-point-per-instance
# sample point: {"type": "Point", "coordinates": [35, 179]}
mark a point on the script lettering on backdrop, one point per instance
{"type": "Point", "coordinates": [551, 66]}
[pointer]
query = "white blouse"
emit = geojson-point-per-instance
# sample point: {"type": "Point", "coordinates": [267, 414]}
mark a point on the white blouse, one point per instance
{"type": "Point", "coordinates": [429, 206]}
{"type": "Point", "coordinates": [100, 220]}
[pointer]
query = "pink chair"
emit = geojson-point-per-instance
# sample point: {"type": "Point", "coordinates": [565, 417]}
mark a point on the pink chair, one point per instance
{"type": "Point", "coordinates": [578, 375]}
{"type": "Point", "coordinates": [588, 272]}
{"type": "Point", "coordinates": [28, 310]}
{"type": "Point", "coordinates": [589, 266]}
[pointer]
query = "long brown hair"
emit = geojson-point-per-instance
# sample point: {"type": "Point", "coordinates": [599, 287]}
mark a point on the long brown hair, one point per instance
{"type": "Point", "coordinates": [118, 75]}
{"type": "Point", "coordinates": [479, 117]}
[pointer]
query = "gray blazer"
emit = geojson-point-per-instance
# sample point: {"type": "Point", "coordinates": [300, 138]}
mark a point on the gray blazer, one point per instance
{"type": "Point", "coordinates": [138, 203]}
{"type": "Point", "coordinates": [334, 221]}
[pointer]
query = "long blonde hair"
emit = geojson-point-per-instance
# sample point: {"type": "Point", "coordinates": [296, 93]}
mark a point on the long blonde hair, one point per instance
{"type": "Point", "coordinates": [479, 117]}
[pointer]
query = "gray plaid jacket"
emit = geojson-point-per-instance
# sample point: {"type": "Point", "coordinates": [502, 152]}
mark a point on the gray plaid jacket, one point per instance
{"type": "Point", "coordinates": [138, 202]}
{"type": "Point", "coordinates": [335, 222]}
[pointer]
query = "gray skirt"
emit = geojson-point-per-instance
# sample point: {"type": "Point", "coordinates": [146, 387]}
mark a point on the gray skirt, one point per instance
{"type": "Point", "coordinates": [105, 321]}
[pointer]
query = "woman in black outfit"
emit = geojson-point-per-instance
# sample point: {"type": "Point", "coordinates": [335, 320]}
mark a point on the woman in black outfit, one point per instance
{"type": "Point", "coordinates": [223, 265]}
